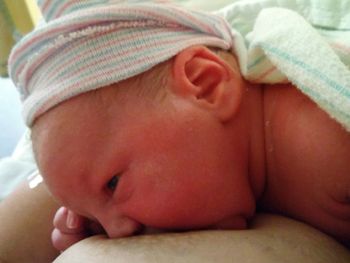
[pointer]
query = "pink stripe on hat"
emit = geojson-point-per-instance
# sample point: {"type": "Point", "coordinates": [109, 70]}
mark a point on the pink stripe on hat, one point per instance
{"type": "Point", "coordinates": [89, 44]}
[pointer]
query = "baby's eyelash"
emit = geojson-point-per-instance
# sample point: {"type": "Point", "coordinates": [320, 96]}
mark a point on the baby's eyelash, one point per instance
{"type": "Point", "coordinates": [113, 182]}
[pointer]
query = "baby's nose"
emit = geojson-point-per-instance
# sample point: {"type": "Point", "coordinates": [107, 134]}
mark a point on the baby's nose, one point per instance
{"type": "Point", "coordinates": [121, 227]}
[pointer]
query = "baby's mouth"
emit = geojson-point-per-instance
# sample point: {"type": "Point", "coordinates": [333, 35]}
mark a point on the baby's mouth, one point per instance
{"type": "Point", "coordinates": [145, 230]}
{"type": "Point", "coordinates": [154, 231]}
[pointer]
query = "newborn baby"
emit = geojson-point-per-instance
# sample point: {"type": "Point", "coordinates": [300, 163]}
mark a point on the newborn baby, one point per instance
{"type": "Point", "coordinates": [142, 119]}
{"type": "Point", "coordinates": [199, 149]}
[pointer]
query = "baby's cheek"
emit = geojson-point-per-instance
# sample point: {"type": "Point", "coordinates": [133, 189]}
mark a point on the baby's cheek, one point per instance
{"type": "Point", "coordinates": [188, 206]}
{"type": "Point", "coordinates": [59, 190]}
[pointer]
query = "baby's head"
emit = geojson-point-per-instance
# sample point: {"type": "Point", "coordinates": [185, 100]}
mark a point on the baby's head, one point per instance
{"type": "Point", "coordinates": [166, 152]}
{"type": "Point", "coordinates": [168, 147]}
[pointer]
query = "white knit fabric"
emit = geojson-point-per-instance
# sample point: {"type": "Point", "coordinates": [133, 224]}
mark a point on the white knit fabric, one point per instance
{"type": "Point", "coordinates": [91, 44]}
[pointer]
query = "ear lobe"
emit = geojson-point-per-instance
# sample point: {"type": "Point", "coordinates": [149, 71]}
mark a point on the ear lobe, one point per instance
{"type": "Point", "coordinates": [208, 81]}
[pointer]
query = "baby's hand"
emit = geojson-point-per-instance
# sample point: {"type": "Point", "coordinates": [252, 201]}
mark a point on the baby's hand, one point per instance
{"type": "Point", "coordinates": [70, 228]}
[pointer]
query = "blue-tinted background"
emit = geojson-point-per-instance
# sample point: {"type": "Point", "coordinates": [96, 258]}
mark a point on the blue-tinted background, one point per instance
{"type": "Point", "coordinates": [11, 123]}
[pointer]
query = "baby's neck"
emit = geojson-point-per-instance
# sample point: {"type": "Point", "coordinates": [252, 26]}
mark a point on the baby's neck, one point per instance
{"type": "Point", "coordinates": [254, 105]}
{"type": "Point", "coordinates": [267, 110]}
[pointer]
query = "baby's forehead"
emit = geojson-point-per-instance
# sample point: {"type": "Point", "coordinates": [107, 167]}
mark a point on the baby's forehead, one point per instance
{"type": "Point", "coordinates": [70, 113]}
{"type": "Point", "coordinates": [91, 108]}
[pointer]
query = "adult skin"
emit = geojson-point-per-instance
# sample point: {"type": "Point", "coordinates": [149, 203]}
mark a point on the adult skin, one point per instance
{"type": "Point", "coordinates": [26, 224]}
{"type": "Point", "coordinates": [271, 239]}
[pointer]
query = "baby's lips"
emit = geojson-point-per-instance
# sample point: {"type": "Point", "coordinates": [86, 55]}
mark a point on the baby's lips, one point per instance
{"type": "Point", "coordinates": [95, 228]}
{"type": "Point", "coordinates": [233, 222]}
{"type": "Point", "coordinates": [152, 231]}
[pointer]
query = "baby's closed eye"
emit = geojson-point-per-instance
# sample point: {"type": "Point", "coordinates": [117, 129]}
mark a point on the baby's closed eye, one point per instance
{"type": "Point", "coordinates": [112, 183]}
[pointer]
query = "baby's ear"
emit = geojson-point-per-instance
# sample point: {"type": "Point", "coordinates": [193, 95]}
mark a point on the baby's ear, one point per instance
{"type": "Point", "coordinates": [206, 79]}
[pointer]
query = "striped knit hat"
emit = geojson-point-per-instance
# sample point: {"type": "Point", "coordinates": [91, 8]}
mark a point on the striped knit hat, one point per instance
{"type": "Point", "coordinates": [88, 44]}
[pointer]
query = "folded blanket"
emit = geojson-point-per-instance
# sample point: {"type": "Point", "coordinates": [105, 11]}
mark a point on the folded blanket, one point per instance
{"type": "Point", "coordinates": [304, 42]}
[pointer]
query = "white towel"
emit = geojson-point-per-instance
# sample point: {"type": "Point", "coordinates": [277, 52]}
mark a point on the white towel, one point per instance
{"type": "Point", "coordinates": [277, 44]}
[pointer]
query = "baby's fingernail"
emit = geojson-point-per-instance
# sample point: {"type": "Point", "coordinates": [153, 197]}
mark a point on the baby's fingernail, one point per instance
{"type": "Point", "coordinates": [72, 220]}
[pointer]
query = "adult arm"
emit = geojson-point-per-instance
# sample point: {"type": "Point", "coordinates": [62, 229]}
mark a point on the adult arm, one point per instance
{"type": "Point", "coordinates": [26, 225]}
{"type": "Point", "coordinates": [271, 239]}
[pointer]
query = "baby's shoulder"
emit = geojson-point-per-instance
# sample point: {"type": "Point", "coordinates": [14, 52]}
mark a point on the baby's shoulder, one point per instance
{"type": "Point", "coordinates": [308, 157]}
{"type": "Point", "coordinates": [297, 127]}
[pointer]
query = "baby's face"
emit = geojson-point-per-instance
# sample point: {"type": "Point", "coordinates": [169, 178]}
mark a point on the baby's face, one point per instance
{"type": "Point", "coordinates": [126, 161]}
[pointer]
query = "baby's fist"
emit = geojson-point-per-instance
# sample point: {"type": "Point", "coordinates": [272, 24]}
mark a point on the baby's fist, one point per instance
{"type": "Point", "coordinates": [69, 228]}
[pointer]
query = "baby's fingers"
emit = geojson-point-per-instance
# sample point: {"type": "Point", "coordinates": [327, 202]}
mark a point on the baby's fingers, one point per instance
{"type": "Point", "coordinates": [69, 229]}
{"type": "Point", "coordinates": [62, 241]}
{"type": "Point", "coordinates": [68, 222]}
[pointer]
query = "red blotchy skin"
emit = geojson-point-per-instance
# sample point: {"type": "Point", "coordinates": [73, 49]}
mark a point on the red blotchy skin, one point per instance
{"type": "Point", "coordinates": [179, 168]}
{"type": "Point", "coordinates": [173, 173]}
